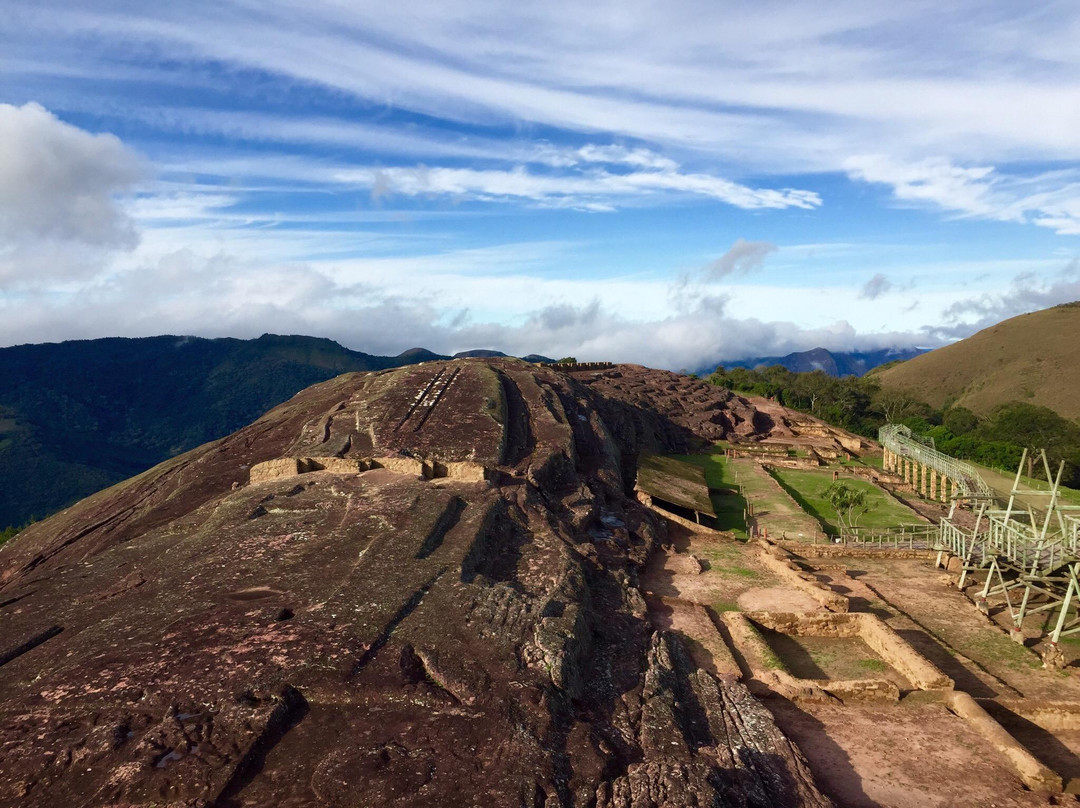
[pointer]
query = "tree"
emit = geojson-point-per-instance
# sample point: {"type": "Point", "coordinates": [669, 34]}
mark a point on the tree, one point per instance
{"type": "Point", "coordinates": [895, 405]}
{"type": "Point", "coordinates": [1033, 427]}
{"type": "Point", "coordinates": [567, 360]}
{"type": "Point", "coordinates": [960, 420]}
{"type": "Point", "coordinates": [11, 531]}
{"type": "Point", "coordinates": [811, 389]}
{"type": "Point", "coordinates": [848, 502]}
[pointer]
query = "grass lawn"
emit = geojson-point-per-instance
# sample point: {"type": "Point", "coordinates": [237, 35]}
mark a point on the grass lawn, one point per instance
{"type": "Point", "coordinates": [774, 510]}
{"type": "Point", "coordinates": [728, 503]}
{"type": "Point", "coordinates": [808, 489]}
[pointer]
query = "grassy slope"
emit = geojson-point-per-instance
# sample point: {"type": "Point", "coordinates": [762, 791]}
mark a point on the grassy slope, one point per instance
{"type": "Point", "coordinates": [1032, 358]}
{"type": "Point", "coordinates": [1002, 482]}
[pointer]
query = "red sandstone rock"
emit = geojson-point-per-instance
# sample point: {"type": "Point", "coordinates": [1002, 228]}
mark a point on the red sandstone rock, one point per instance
{"type": "Point", "coordinates": [383, 637]}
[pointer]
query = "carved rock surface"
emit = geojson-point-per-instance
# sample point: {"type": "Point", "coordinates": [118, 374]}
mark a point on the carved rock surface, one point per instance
{"type": "Point", "coordinates": [384, 637]}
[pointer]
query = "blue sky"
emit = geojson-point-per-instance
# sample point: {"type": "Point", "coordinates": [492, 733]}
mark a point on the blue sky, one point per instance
{"type": "Point", "coordinates": [671, 183]}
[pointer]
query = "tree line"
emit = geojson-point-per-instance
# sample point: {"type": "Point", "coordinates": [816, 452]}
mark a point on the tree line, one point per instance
{"type": "Point", "coordinates": [11, 531]}
{"type": "Point", "coordinates": [859, 404]}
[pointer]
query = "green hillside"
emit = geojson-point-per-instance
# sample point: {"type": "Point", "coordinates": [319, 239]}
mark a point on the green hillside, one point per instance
{"type": "Point", "coordinates": [1033, 359]}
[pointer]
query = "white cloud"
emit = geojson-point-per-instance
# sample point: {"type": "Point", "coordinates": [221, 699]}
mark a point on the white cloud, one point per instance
{"type": "Point", "coordinates": [596, 189]}
{"type": "Point", "coordinates": [1028, 292]}
{"type": "Point", "coordinates": [58, 195]}
{"type": "Point", "coordinates": [631, 103]}
{"type": "Point", "coordinates": [1048, 199]}
{"type": "Point", "coordinates": [744, 256]}
{"type": "Point", "coordinates": [499, 297]}
{"type": "Point", "coordinates": [802, 84]}
{"type": "Point", "coordinates": [645, 158]}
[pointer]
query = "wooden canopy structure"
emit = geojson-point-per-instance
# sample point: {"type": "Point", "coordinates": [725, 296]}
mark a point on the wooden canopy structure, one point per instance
{"type": "Point", "coordinates": [675, 482]}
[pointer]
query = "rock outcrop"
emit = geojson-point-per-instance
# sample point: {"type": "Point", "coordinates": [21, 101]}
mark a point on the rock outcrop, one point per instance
{"type": "Point", "coordinates": [687, 405]}
{"type": "Point", "coordinates": [431, 601]}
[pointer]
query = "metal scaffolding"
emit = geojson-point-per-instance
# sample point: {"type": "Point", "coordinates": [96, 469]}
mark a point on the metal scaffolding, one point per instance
{"type": "Point", "coordinates": [1030, 553]}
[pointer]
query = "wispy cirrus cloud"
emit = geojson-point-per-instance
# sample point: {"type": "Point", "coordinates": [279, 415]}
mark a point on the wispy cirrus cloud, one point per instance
{"type": "Point", "coordinates": [596, 189]}
{"type": "Point", "coordinates": [1048, 199]}
{"type": "Point", "coordinates": [759, 79]}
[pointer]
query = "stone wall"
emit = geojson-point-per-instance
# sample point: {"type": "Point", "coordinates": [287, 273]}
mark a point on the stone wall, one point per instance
{"type": "Point", "coordinates": [283, 467]}
{"type": "Point", "coordinates": [832, 550]}
{"type": "Point", "coordinates": [574, 367]}
{"type": "Point", "coordinates": [780, 562]}
{"type": "Point", "coordinates": [293, 466]}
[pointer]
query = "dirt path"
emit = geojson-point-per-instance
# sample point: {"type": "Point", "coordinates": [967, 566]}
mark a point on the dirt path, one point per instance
{"type": "Point", "coordinates": [874, 754]}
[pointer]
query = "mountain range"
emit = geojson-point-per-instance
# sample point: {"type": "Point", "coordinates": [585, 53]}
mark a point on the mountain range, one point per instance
{"type": "Point", "coordinates": [78, 416]}
{"type": "Point", "coordinates": [834, 363]}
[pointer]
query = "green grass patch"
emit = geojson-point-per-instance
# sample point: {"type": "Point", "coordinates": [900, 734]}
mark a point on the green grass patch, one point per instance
{"type": "Point", "coordinates": [728, 503]}
{"type": "Point", "coordinates": [808, 488]}
{"type": "Point", "coordinates": [722, 552]}
{"type": "Point", "coordinates": [742, 572]}
{"type": "Point", "coordinates": [725, 560]}
{"type": "Point", "coordinates": [990, 647]}
{"type": "Point", "coordinates": [769, 658]}
{"type": "Point", "coordinates": [726, 606]}
{"type": "Point", "coordinates": [872, 665]}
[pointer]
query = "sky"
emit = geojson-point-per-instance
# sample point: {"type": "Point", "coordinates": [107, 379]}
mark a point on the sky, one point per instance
{"type": "Point", "coordinates": [675, 184]}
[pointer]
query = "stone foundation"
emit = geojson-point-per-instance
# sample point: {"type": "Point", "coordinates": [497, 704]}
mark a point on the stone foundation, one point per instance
{"type": "Point", "coordinates": [1035, 775]}
{"type": "Point", "coordinates": [284, 467]}
{"type": "Point", "coordinates": [780, 562]}
{"type": "Point", "coordinates": [872, 630]}
{"type": "Point", "coordinates": [293, 466]}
